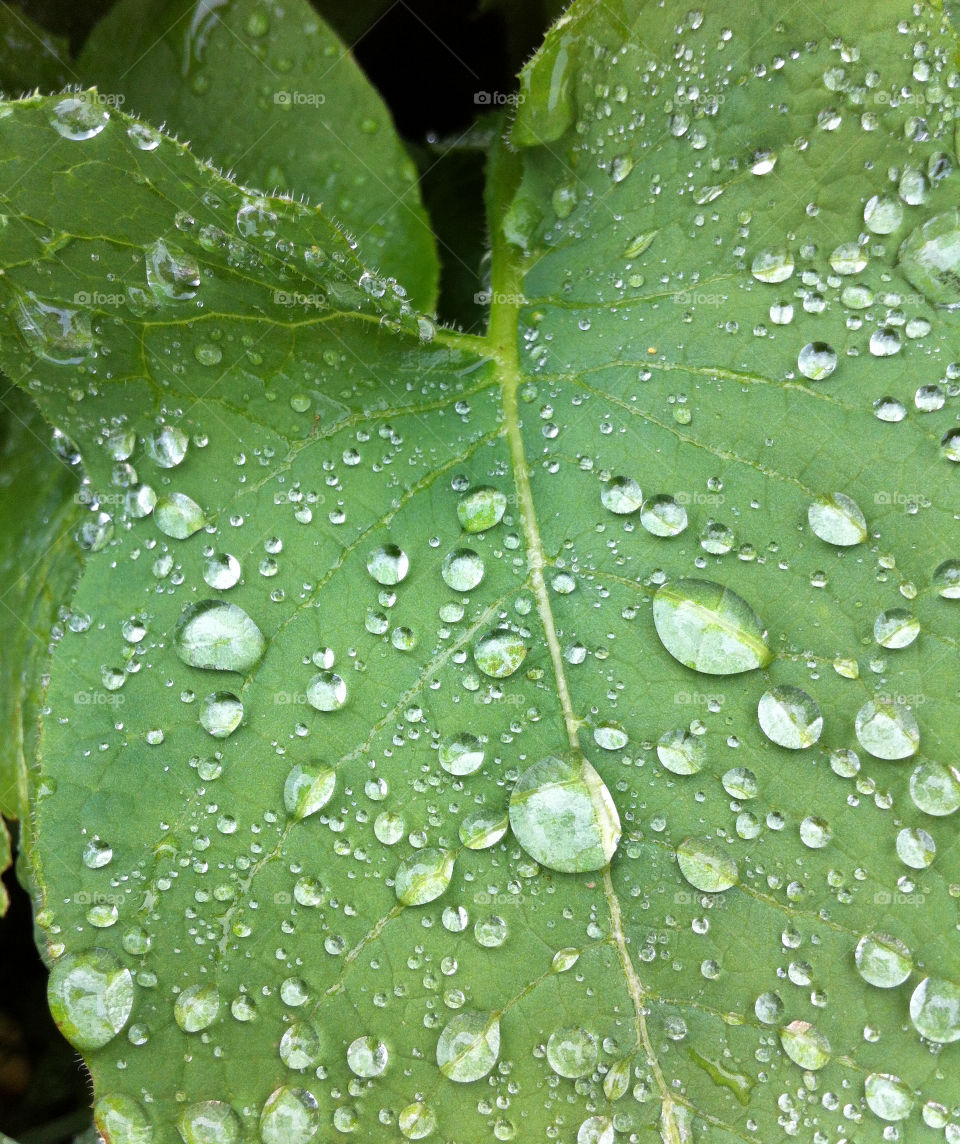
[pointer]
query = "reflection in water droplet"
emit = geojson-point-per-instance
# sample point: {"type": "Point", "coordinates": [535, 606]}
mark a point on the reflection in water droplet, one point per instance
{"type": "Point", "coordinates": [883, 214]}
{"type": "Point", "coordinates": [209, 1122]}
{"type": "Point", "coordinates": [462, 569]}
{"type": "Point", "coordinates": [327, 691]}
{"type": "Point", "coordinates": [197, 1007]}
{"type": "Point", "coordinates": [416, 1121]}
{"type": "Point", "coordinates": [221, 571]}
{"type": "Point", "coordinates": [461, 755]}
{"type": "Point", "coordinates": [90, 996]}
{"type": "Point", "coordinates": [817, 360]}
{"type": "Point", "coordinates": [563, 815]}
{"type": "Point", "coordinates": [367, 1057]}
{"type": "Point", "coordinates": [887, 730]}
{"type": "Point", "coordinates": [789, 717]}
{"type": "Point", "coordinates": [572, 1052]}
{"type": "Point", "coordinates": [483, 829]}
{"type": "Point", "coordinates": [805, 1045]}
{"type": "Point", "coordinates": [388, 564]}
{"type": "Point", "coordinates": [469, 1046]}
{"type": "Point", "coordinates": [888, 1097]}
{"type": "Point", "coordinates": [663, 516]}
{"type": "Point", "coordinates": [929, 258]}
{"type": "Point", "coordinates": [709, 628]}
{"type": "Point", "coordinates": [289, 1116]}
{"type": "Point", "coordinates": [681, 752]}
{"type": "Point", "coordinates": [300, 1046]}
{"type": "Point", "coordinates": [706, 866]}
{"type": "Point", "coordinates": [308, 789]}
{"type": "Point", "coordinates": [935, 788]}
{"type": "Point", "coordinates": [935, 1010]}
{"type": "Point", "coordinates": [172, 274]}
{"type": "Point", "coordinates": [481, 508]}
{"type": "Point", "coordinates": [123, 1120]}
{"type": "Point", "coordinates": [217, 636]}
{"type": "Point", "coordinates": [915, 847]}
{"type": "Point", "coordinates": [621, 495]}
{"type": "Point", "coordinates": [80, 116]}
{"type": "Point", "coordinates": [220, 714]}
{"type": "Point", "coordinates": [837, 519]}
{"type": "Point", "coordinates": [178, 515]}
{"type": "Point", "coordinates": [896, 628]}
{"type": "Point", "coordinates": [423, 877]}
{"type": "Point", "coordinates": [946, 579]}
{"type": "Point", "coordinates": [167, 447]}
{"type": "Point", "coordinates": [883, 960]}
{"type": "Point", "coordinates": [772, 266]}
{"type": "Point", "coordinates": [499, 653]}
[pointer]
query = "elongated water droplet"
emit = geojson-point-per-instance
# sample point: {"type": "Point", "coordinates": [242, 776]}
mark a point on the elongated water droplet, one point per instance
{"type": "Point", "coordinates": [217, 636]}
{"type": "Point", "coordinates": [837, 519]}
{"type": "Point", "coordinates": [709, 628]}
{"type": "Point", "coordinates": [308, 789]}
{"type": "Point", "coordinates": [424, 876]}
{"type": "Point", "coordinates": [90, 996]}
{"type": "Point", "coordinates": [483, 829]}
{"type": "Point", "coordinates": [563, 815]}
{"type": "Point", "coordinates": [469, 1046]}
{"type": "Point", "coordinates": [789, 717]}
{"type": "Point", "coordinates": [706, 865]}
{"type": "Point", "coordinates": [59, 334]}
{"type": "Point", "coordinates": [178, 515]}
{"type": "Point", "coordinates": [805, 1045]}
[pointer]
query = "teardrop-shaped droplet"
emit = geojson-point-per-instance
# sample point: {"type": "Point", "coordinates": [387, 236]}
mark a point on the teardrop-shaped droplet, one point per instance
{"type": "Point", "coordinates": [563, 815]}
{"type": "Point", "coordinates": [424, 876]}
{"type": "Point", "coordinates": [308, 789]}
{"type": "Point", "coordinates": [789, 717]}
{"type": "Point", "coordinates": [217, 636]}
{"type": "Point", "coordinates": [837, 519]}
{"type": "Point", "coordinates": [90, 996]}
{"type": "Point", "coordinates": [178, 515]}
{"type": "Point", "coordinates": [469, 1046]}
{"type": "Point", "coordinates": [805, 1045]}
{"type": "Point", "coordinates": [709, 628]}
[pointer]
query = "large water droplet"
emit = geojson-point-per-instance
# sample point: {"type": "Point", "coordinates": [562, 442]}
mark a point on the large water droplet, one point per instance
{"type": "Point", "coordinates": [461, 755]}
{"type": "Point", "coordinates": [59, 334]}
{"type": "Point", "coordinates": [888, 1097]}
{"type": "Point", "coordinates": [682, 752]}
{"type": "Point", "coordinates": [462, 569]}
{"type": "Point", "coordinates": [883, 214]}
{"type": "Point", "coordinates": [887, 729]}
{"type": "Point", "coordinates": [469, 1046]}
{"type": "Point", "coordinates": [481, 508]}
{"type": "Point", "coordinates": [662, 515]}
{"type": "Point", "coordinates": [221, 571]}
{"type": "Point", "coordinates": [499, 653]}
{"type": "Point", "coordinates": [300, 1046]}
{"type": "Point", "coordinates": [572, 1052]}
{"type": "Point", "coordinates": [424, 876]}
{"type": "Point", "coordinates": [388, 564]}
{"type": "Point", "coordinates": [209, 1122]}
{"type": "Point", "coordinates": [172, 274]}
{"type": "Point", "coordinates": [817, 360]}
{"type": "Point", "coordinates": [197, 1007]}
{"type": "Point", "coordinates": [621, 495]}
{"type": "Point", "coordinates": [563, 815]}
{"type": "Point", "coordinates": [706, 865]}
{"type": "Point", "coordinates": [289, 1116]}
{"type": "Point", "coordinates": [123, 1120]}
{"type": "Point", "coordinates": [837, 519]}
{"type": "Point", "coordinates": [772, 266]}
{"type": "Point", "coordinates": [367, 1057]}
{"type": "Point", "coordinates": [935, 1010]}
{"type": "Point", "coordinates": [805, 1045]}
{"type": "Point", "coordinates": [218, 636]}
{"type": "Point", "coordinates": [935, 788]}
{"type": "Point", "coordinates": [221, 713]}
{"type": "Point", "coordinates": [80, 116]}
{"type": "Point", "coordinates": [178, 515]}
{"type": "Point", "coordinates": [929, 258]}
{"type": "Point", "coordinates": [709, 628]}
{"type": "Point", "coordinates": [308, 789]}
{"type": "Point", "coordinates": [789, 717]}
{"type": "Point", "coordinates": [168, 446]}
{"type": "Point", "coordinates": [327, 691]}
{"type": "Point", "coordinates": [90, 996]}
{"type": "Point", "coordinates": [883, 960]}
{"type": "Point", "coordinates": [896, 628]}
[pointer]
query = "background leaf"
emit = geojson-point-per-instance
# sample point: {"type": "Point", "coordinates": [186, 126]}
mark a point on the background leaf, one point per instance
{"type": "Point", "coordinates": [751, 964]}
{"type": "Point", "coordinates": [270, 92]}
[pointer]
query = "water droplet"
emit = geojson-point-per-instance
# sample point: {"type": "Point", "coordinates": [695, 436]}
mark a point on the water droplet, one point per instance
{"type": "Point", "coordinates": [289, 1116]}
{"type": "Point", "coordinates": [946, 579]}
{"type": "Point", "coordinates": [388, 564]}
{"type": "Point", "coordinates": [768, 1008]}
{"type": "Point", "coordinates": [481, 508]}
{"type": "Point", "coordinates": [896, 628]}
{"type": "Point", "coordinates": [172, 274]}
{"type": "Point", "coordinates": [90, 996]}
{"type": "Point", "coordinates": [805, 1045]}
{"type": "Point", "coordinates": [709, 628]}
{"type": "Point", "coordinates": [123, 1120]}
{"type": "Point", "coordinates": [424, 876]}
{"type": "Point", "coordinates": [80, 116]}
{"type": "Point", "coordinates": [572, 1052]}
{"type": "Point", "coordinates": [220, 714]}
{"type": "Point", "coordinates": [883, 214]}
{"type": "Point", "coordinates": [168, 446]}
{"type": "Point", "coordinates": [483, 829]}
{"type": "Point", "coordinates": [178, 515]}
{"type": "Point", "coordinates": [935, 1010]}
{"type": "Point", "coordinates": [681, 752]}
{"type": "Point", "coordinates": [462, 569]}
{"type": "Point", "coordinates": [837, 519]}
{"type": "Point", "coordinates": [143, 136]}
{"type": "Point", "coordinates": [663, 516]}
{"type": "Point", "coordinates": [888, 730]}
{"type": "Point", "coordinates": [221, 571]}
{"type": "Point", "coordinates": [97, 854]}
{"type": "Point", "coordinates": [848, 258]}
{"type": "Point", "coordinates": [883, 960]}
{"type": "Point", "coordinates": [300, 1046]}
{"type": "Point", "coordinates": [308, 789]}
{"type": "Point", "coordinates": [772, 266]}
{"type": "Point", "coordinates": [416, 1121]}
{"type": "Point", "coordinates": [621, 495]}
{"type": "Point", "coordinates": [610, 737]}
{"type": "Point", "coordinates": [469, 1046]}
{"type": "Point", "coordinates": [929, 258]}
{"type": "Point", "coordinates": [367, 1057]}
{"type": "Point", "coordinates": [217, 636]}
{"type": "Point", "coordinates": [789, 717]}
{"type": "Point", "coordinates": [706, 866]}
{"type": "Point", "coordinates": [817, 360]}
{"type": "Point", "coordinates": [499, 653]}
{"type": "Point", "coordinates": [197, 1007]}
{"type": "Point", "coordinates": [740, 783]}
{"type": "Point", "coordinates": [327, 691]}
{"type": "Point", "coordinates": [915, 847]}
{"type": "Point", "coordinates": [888, 1097]}
{"type": "Point", "coordinates": [935, 789]}
{"type": "Point", "coordinates": [209, 1122]}
{"type": "Point", "coordinates": [461, 755]}
{"type": "Point", "coordinates": [563, 815]}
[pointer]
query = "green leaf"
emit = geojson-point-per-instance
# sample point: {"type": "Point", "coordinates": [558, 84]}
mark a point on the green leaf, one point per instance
{"type": "Point", "coordinates": [431, 947]}
{"type": "Point", "coordinates": [269, 91]}
{"type": "Point", "coordinates": [30, 57]}
{"type": "Point", "coordinates": [6, 859]}
{"type": "Point", "coordinates": [40, 513]}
